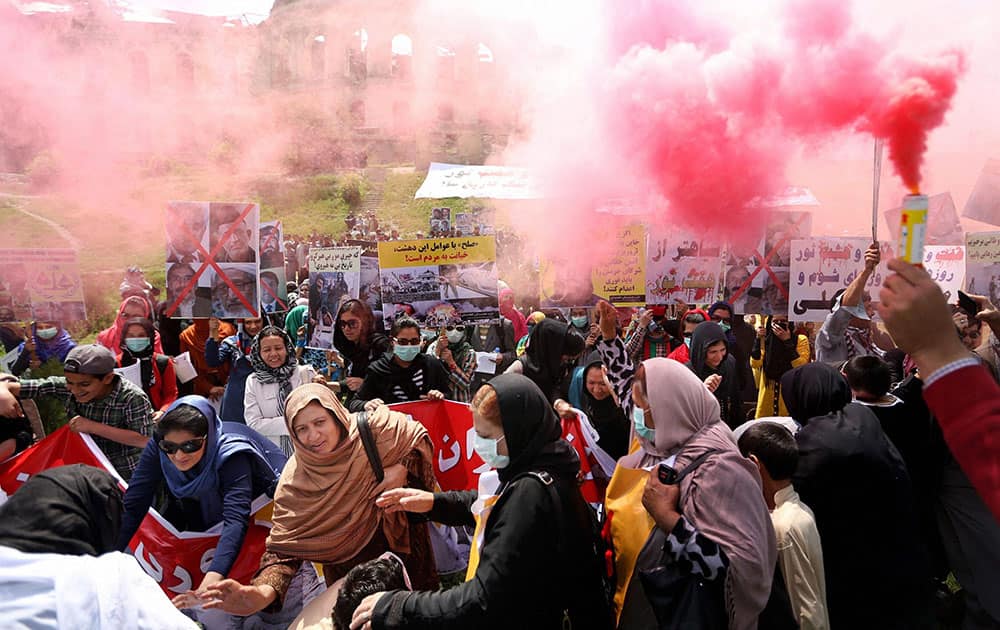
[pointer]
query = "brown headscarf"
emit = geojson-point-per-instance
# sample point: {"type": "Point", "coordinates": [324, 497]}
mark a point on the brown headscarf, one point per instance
{"type": "Point", "coordinates": [324, 505]}
{"type": "Point", "coordinates": [722, 498]}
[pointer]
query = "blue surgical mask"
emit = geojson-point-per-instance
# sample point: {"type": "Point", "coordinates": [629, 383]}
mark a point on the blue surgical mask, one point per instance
{"type": "Point", "coordinates": [46, 333]}
{"type": "Point", "coordinates": [406, 353]}
{"type": "Point", "coordinates": [639, 422]}
{"type": "Point", "coordinates": [455, 336]}
{"type": "Point", "coordinates": [428, 334]}
{"type": "Point", "coordinates": [137, 344]}
{"type": "Point", "coordinates": [579, 321]}
{"type": "Point", "coordinates": [687, 342]}
{"type": "Point", "coordinates": [487, 450]}
{"type": "Point", "coordinates": [725, 326]}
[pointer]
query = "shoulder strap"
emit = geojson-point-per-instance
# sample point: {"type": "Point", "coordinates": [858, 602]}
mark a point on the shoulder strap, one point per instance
{"type": "Point", "coordinates": [368, 440]}
{"type": "Point", "coordinates": [697, 461]}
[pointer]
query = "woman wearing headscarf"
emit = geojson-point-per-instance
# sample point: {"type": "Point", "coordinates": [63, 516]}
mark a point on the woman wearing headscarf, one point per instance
{"type": "Point", "coordinates": [48, 341]}
{"type": "Point", "coordinates": [533, 563]}
{"type": "Point", "coordinates": [508, 310]}
{"type": "Point", "coordinates": [591, 393]}
{"type": "Point", "coordinates": [358, 343]}
{"type": "Point", "coordinates": [775, 351]}
{"type": "Point", "coordinates": [276, 372]}
{"type": "Point", "coordinates": [158, 378]}
{"type": "Point", "coordinates": [548, 359]}
{"type": "Point", "coordinates": [57, 569]}
{"type": "Point", "coordinates": [455, 351]}
{"type": "Point", "coordinates": [212, 471]}
{"type": "Point", "coordinates": [324, 506]}
{"type": "Point", "coordinates": [714, 525]}
{"type": "Point", "coordinates": [858, 487]}
{"type": "Point", "coordinates": [715, 366]}
{"type": "Point", "coordinates": [131, 308]}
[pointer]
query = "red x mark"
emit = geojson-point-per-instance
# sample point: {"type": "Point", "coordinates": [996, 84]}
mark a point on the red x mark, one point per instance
{"type": "Point", "coordinates": [210, 261]}
{"type": "Point", "coordinates": [765, 266]}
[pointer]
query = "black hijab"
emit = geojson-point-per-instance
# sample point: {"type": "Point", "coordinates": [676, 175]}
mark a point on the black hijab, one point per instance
{"type": "Point", "coordinates": [74, 510]}
{"type": "Point", "coordinates": [778, 356]}
{"type": "Point", "coordinates": [605, 415]}
{"type": "Point", "coordinates": [704, 335]}
{"type": "Point", "coordinates": [145, 357]}
{"type": "Point", "coordinates": [532, 430]}
{"type": "Point", "coordinates": [814, 390]}
{"type": "Point", "coordinates": [542, 359]}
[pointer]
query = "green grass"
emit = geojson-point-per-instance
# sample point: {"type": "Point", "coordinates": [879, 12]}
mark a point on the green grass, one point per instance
{"type": "Point", "coordinates": [132, 233]}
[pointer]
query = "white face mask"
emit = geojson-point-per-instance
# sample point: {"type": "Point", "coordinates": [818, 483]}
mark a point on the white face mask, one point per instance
{"type": "Point", "coordinates": [455, 336]}
{"type": "Point", "coordinates": [487, 450]}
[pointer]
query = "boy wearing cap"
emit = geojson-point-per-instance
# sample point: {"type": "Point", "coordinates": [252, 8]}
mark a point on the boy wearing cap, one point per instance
{"type": "Point", "coordinates": [111, 409]}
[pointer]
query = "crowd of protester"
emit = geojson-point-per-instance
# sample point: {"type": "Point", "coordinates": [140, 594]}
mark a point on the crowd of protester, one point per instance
{"type": "Point", "coordinates": [761, 473]}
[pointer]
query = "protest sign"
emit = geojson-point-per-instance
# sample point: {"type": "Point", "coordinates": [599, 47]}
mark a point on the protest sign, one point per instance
{"type": "Point", "coordinates": [567, 283]}
{"type": "Point", "coordinates": [440, 222]}
{"type": "Point", "coordinates": [485, 182]}
{"type": "Point", "coordinates": [456, 464]}
{"type": "Point", "coordinates": [273, 287]}
{"type": "Point", "coordinates": [41, 285]}
{"type": "Point", "coordinates": [982, 267]}
{"type": "Point", "coordinates": [176, 560]}
{"type": "Point", "coordinates": [681, 267]}
{"type": "Point", "coordinates": [334, 278]}
{"type": "Point", "coordinates": [440, 282]}
{"type": "Point", "coordinates": [984, 202]}
{"type": "Point", "coordinates": [946, 266]}
{"type": "Point", "coordinates": [821, 266]}
{"type": "Point", "coordinates": [756, 278]}
{"type": "Point", "coordinates": [212, 259]}
{"type": "Point", "coordinates": [621, 280]}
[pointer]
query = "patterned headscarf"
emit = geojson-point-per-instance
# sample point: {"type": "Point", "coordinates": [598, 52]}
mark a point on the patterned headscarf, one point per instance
{"type": "Point", "coordinates": [282, 375]}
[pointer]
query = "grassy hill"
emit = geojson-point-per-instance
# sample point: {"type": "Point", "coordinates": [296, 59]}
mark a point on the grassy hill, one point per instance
{"type": "Point", "coordinates": [131, 232]}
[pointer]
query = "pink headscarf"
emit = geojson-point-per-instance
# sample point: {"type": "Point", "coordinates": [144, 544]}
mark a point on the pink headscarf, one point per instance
{"type": "Point", "coordinates": [515, 316]}
{"type": "Point", "coordinates": [722, 498]}
{"type": "Point", "coordinates": [111, 337]}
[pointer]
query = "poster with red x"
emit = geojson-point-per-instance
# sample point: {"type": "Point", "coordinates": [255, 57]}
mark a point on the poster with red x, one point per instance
{"type": "Point", "coordinates": [213, 264]}
{"type": "Point", "coordinates": [273, 290]}
{"type": "Point", "coordinates": [756, 277]}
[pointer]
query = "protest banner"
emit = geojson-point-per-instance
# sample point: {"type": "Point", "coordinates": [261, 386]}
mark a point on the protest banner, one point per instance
{"type": "Point", "coordinates": [176, 560]}
{"type": "Point", "coordinates": [273, 287]}
{"type": "Point", "coordinates": [821, 266]}
{"type": "Point", "coordinates": [984, 202]}
{"type": "Point", "coordinates": [440, 222]}
{"type": "Point", "coordinates": [212, 259]}
{"type": "Point", "coordinates": [681, 267]}
{"type": "Point", "coordinates": [756, 276]}
{"type": "Point", "coordinates": [484, 182]}
{"type": "Point", "coordinates": [41, 285]}
{"type": "Point", "coordinates": [371, 286]}
{"type": "Point", "coordinates": [456, 464]}
{"type": "Point", "coordinates": [621, 280]}
{"type": "Point", "coordinates": [982, 266]}
{"type": "Point", "coordinates": [439, 282]}
{"type": "Point", "coordinates": [946, 266]}
{"type": "Point", "coordinates": [334, 278]}
{"type": "Point", "coordinates": [567, 283]}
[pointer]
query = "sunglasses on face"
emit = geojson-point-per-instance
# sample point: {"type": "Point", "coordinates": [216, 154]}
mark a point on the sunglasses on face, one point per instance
{"type": "Point", "coordinates": [349, 324]}
{"type": "Point", "coordinates": [459, 328]}
{"type": "Point", "coordinates": [191, 446]}
{"type": "Point", "coordinates": [407, 342]}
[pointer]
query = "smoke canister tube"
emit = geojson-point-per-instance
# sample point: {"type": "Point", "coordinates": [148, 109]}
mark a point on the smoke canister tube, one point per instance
{"type": "Point", "coordinates": [912, 229]}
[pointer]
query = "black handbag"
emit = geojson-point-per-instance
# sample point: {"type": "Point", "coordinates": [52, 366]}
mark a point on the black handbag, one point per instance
{"type": "Point", "coordinates": [685, 601]}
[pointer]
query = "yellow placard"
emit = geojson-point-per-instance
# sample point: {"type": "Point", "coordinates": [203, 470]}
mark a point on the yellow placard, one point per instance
{"type": "Point", "coordinates": [471, 249]}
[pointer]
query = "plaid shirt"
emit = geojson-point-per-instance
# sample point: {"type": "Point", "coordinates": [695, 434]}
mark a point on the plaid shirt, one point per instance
{"type": "Point", "coordinates": [126, 407]}
{"type": "Point", "coordinates": [635, 339]}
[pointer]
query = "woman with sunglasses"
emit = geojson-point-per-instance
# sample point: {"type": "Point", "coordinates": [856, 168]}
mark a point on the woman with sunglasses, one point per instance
{"type": "Point", "coordinates": [211, 470]}
{"type": "Point", "coordinates": [357, 341]}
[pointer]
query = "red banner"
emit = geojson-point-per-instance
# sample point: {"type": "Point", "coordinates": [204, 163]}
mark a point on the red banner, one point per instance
{"type": "Point", "coordinates": [176, 560]}
{"type": "Point", "coordinates": [456, 465]}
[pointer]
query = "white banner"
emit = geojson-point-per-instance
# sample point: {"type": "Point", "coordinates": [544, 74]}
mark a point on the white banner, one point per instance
{"type": "Point", "coordinates": [982, 267]}
{"type": "Point", "coordinates": [483, 182]}
{"type": "Point", "coordinates": [946, 265]}
{"type": "Point", "coordinates": [823, 265]}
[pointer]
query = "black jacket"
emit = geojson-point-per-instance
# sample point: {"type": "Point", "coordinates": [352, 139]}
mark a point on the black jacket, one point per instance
{"type": "Point", "coordinates": [857, 485]}
{"type": "Point", "coordinates": [499, 336]}
{"type": "Point", "coordinates": [384, 375]}
{"type": "Point", "coordinates": [728, 391]}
